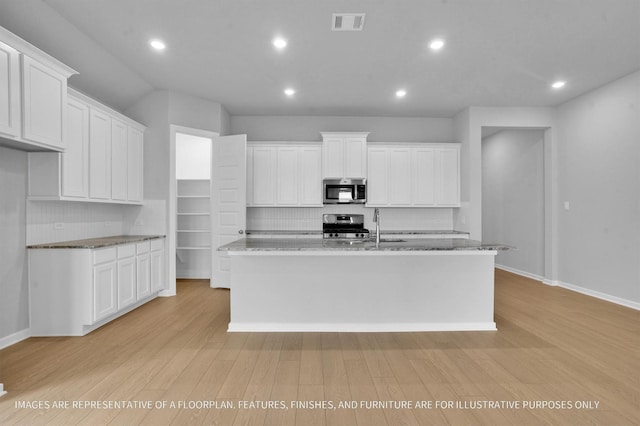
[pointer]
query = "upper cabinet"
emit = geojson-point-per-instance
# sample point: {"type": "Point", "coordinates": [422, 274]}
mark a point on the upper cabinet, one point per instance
{"type": "Point", "coordinates": [33, 96]}
{"type": "Point", "coordinates": [103, 159]}
{"type": "Point", "coordinates": [414, 175]}
{"type": "Point", "coordinates": [284, 174]}
{"type": "Point", "coordinates": [344, 155]}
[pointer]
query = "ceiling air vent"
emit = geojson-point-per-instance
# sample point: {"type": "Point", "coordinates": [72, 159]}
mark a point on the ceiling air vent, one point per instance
{"type": "Point", "coordinates": [347, 22]}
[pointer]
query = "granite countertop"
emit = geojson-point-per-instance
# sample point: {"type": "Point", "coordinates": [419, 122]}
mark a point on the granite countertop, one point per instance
{"type": "Point", "coordinates": [382, 232]}
{"type": "Point", "coordinates": [393, 244]}
{"type": "Point", "coordinates": [92, 243]}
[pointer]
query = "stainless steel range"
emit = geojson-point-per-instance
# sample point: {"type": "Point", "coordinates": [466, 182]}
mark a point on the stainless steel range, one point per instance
{"type": "Point", "coordinates": [344, 227]}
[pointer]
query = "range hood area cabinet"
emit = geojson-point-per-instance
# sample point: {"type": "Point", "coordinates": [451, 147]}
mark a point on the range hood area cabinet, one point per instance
{"type": "Point", "coordinates": [344, 155]}
{"type": "Point", "coordinates": [103, 160]}
{"type": "Point", "coordinates": [284, 174]}
{"type": "Point", "coordinates": [413, 175]}
{"type": "Point", "coordinates": [33, 96]}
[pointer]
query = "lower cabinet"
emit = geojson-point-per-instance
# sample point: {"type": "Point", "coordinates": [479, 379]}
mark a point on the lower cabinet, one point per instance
{"type": "Point", "coordinates": [74, 291]}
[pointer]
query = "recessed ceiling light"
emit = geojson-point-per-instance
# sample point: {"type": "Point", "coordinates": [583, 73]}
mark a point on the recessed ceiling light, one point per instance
{"type": "Point", "coordinates": [157, 44]}
{"type": "Point", "coordinates": [289, 92]}
{"type": "Point", "coordinates": [436, 44]}
{"type": "Point", "coordinates": [279, 43]}
{"type": "Point", "coordinates": [401, 93]}
{"type": "Point", "coordinates": [558, 84]}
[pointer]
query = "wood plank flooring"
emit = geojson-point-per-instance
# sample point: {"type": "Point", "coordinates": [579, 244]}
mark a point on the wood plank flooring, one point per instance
{"type": "Point", "coordinates": [553, 346]}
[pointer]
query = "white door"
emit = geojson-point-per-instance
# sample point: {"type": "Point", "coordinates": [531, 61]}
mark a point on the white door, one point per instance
{"type": "Point", "coordinates": [228, 201]}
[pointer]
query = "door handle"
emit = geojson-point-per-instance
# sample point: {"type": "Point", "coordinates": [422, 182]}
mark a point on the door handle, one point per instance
{"type": "Point", "coordinates": [241, 232]}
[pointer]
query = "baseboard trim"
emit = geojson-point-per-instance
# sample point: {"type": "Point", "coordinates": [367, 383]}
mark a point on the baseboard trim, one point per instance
{"type": "Point", "coordinates": [521, 273]}
{"type": "Point", "coordinates": [582, 290]}
{"type": "Point", "coordinates": [360, 327]}
{"type": "Point", "coordinates": [14, 338]}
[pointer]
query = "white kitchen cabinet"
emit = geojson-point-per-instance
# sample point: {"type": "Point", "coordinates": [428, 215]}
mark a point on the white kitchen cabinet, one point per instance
{"type": "Point", "coordinates": [310, 176]}
{"type": "Point", "coordinates": [119, 154]}
{"type": "Point", "coordinates": [9, 91]}
{"type": "Point", "coordinates": [99, 155]}
{"type": "Point", "coordinates": [413, 175]}
{"type": "Point", "coordinates": [75, 160]}
{"type": "Point", "coordinates": [344, 155]}
{"type": "Point", "coordinates": [105, 282]}
{"type": "Point", "coordinates": [73, 291]}
{"type": "Point", "coordinates": [102, 162]}
{"type": "Point", "coordinates": [127, 287]}
{"type": "Point", "coordinates": [143, 270]}
{"type": "Point", "coordinates": [135, 164]}
{"type": "Point", "coordinates": [33, 96]}
{"type": "Point", "coordinates": [281, 174]}
{"type": "Point", "coordinates": [156, 265]}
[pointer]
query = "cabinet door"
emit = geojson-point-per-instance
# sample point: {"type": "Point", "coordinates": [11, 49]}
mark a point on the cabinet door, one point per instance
{"type": "Point", "coordinates": [126, 282]}
{"type": "Point", "coordinates": [333, 158]}
{"type": "Point", "coordinates": [99, 155]}
{"type": "Point", "coordinates": [135, 161]}
{"type": "Point", "coordinates": [119, 167]}
{"type": "Point", "coordinates": [75, 159]}
{"type": "Point", "coordinates": [399, 173]}
{"type": "Point", "coordinates": [249, 176]}
{"type": "Point", "coordinates": [377, 177]}
{"type": "Point", "coordinates": [448, 177]}
{"type": "Point", "coordinates": [355, 160]}
{"type": "Point", "coordinates": [9, 91]}
{"type": "Point", "coordinates": [143, 279]}
{"type": "Point", "coordinates": [310, 176]}
{"type": "Point", "coordinates": [423, 171]}
{"type": "Point", "coordinates": [157, 266]}
{"type": "Point", "coordinates": [44, 101]}
{"type": "Point", "coordinates": [264, 176]}
{"type": "Point", "coordinates": [287, 176]}
{"type": "Point", "coordinates": [104, 290]}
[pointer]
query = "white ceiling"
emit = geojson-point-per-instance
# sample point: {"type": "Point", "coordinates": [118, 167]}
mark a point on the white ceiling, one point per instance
{"type": "Point", "coordinates": [497, 53]}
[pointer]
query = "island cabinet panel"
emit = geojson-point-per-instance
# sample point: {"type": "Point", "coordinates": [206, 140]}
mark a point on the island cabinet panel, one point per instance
{"type": "Point", "coordinates": [284, 174]}
{"type": "Point", "coordinates": [344, 155]}
{"type": "Point", "coordinates": [9, 91]}
{"type": "Point", "coordinates": [414, 175]}
{"type": "Point", "coordinates": [73, 291]}
{"type": "Point", "coordinates": [102, 161]}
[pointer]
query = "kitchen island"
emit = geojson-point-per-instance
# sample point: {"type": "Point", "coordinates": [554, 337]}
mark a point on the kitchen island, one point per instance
{"type": "Point", "coordinates": [285, 284]}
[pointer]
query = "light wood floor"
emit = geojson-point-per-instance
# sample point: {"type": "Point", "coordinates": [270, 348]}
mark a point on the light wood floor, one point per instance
{"type": "Point", "coordinates": [551, 345]}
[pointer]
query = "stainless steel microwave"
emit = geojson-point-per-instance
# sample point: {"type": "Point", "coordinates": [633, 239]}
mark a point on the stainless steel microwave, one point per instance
{"type": "Point", "coordinates": [344, 191]}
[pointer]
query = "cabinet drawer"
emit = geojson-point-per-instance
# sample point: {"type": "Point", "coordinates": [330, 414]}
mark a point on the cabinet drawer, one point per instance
{"type": "Point", "coordinates": [157, 244]}
{"type": "Point", "coordinates": [142, 247]}
{"type": "Point", "coordinates": [104, 255]}
{"type": "Point", "coordinates": [128, 250]}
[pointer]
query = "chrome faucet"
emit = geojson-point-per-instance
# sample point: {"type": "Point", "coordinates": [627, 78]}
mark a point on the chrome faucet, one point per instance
{"type": "Point", "coordinates": [376, 219]}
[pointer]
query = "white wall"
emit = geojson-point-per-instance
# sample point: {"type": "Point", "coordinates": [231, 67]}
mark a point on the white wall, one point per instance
{"type": "Point", "coordinates": [599, 175]}
{"type": "Point", "coordinates": [308, 128]}
{"type": "Point", "coordinates": [513, 198]}
{"type": "Point", "coordinates": [193, 157]}
{"type": "Point", "coordinates": [14, 287]}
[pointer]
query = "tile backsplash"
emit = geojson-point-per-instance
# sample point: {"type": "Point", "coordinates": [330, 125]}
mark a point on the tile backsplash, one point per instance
{"type": "Point", "coordinates": [310, 219]}
{"type": "Point", "coordinates": [50, 221]}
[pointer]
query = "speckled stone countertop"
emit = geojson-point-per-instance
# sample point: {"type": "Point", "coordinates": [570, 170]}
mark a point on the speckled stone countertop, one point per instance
{"type": "Point", "coordinates": [389, 244]}
{"type": "Point", "coordinates": [92, 243]}
{"type": "Point", "coordinates": [383, 232]}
